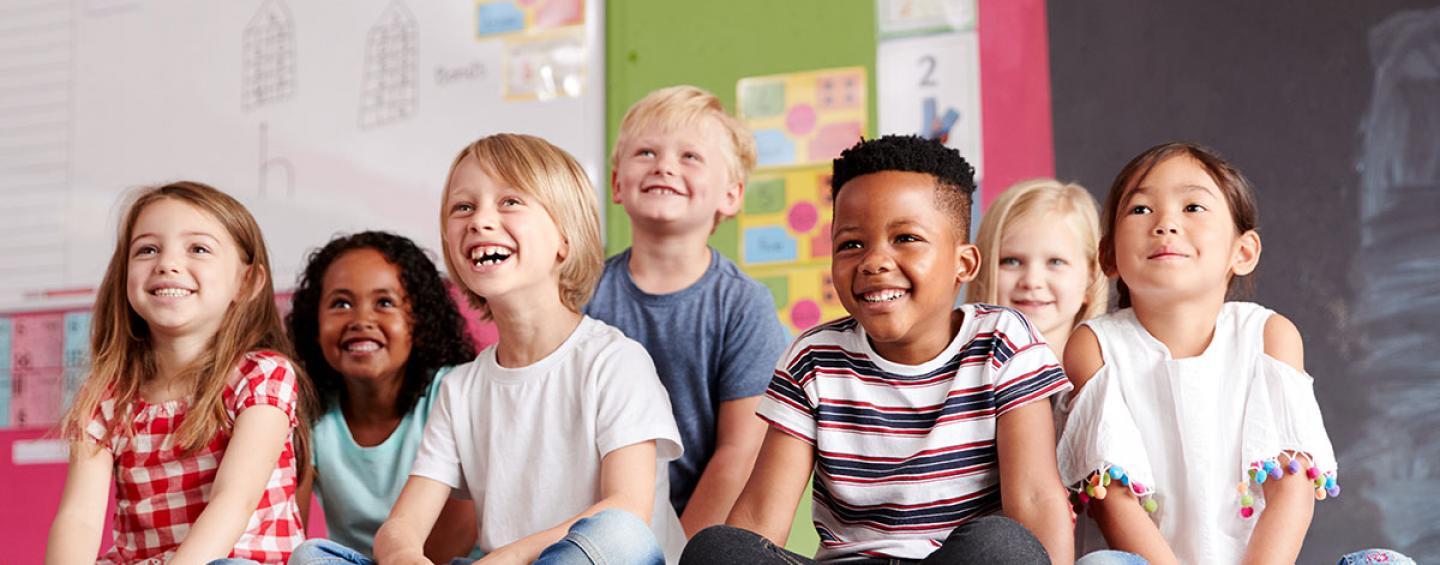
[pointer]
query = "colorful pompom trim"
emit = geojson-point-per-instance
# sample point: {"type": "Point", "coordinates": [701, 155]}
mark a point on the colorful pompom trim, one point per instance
{"type": "Point", "coordinates": [1263, 470]}
{"type": "Point", "coordinates": [1097, 486]}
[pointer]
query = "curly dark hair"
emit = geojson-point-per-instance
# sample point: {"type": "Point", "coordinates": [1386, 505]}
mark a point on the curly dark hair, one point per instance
{"type": "Point", "coordinates": [954, 176]}
{"type": "Point", "coordinates": [439, 340]}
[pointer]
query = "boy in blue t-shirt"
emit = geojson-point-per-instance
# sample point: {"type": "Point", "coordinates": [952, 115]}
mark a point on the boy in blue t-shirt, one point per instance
{"type": "Point", "coordinates": [679, 169]}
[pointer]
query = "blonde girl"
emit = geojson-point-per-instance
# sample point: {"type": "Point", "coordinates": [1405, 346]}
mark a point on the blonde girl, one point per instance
{"type": "Point", "coordinates": [190, 362]}
{"type": "Point", "coordinates": [1039, 254]}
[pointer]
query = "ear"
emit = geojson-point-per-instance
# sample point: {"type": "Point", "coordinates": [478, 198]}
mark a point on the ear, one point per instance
{"type": "Point", "coordinates": [1246, 255]}
{"type": "Point", "coordinates": [615, 186]}
{"type": "Point", "coordinates": [251, 282]}
{"type": "Point", "coordinates": [733, 199]}
{"type": "Point", "coordinates": [967, 263]}
{"type": "Point", "coordinates": [564, 250]}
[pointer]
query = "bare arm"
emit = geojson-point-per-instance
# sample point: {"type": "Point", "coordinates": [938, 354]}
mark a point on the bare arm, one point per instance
{"type": "Point", "coordinates": [260, 434]}
{"type": "Point", "coordinates": [627, 482]}
{"type": "Point", "coordinates": [401, 539]}
{"type": "Point", "coordinates": [1290, 501]}
{"type": "Point", "coordinates": [1030, 489]}
{"type": "Point", "coordinates": [303, 492]}
{"type": "Point", "coordinates": [737, 442]}
{"type": "Point", "coordinates": [767, 504]}
{"type": "Point", "coordinates": [454, 532]}
{"type": "Point", "coordinates": [75, 533]}
{"type": "Point", "coordinates": [1125, 524]}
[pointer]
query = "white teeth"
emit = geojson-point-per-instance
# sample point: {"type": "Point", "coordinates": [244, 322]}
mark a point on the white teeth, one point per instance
{"type": "Point", "coordinates": [172, 292]}
{"type": "Point", "coordinates": [362, 346]}
{"type": "Point", "coordinates": [883, 295]}
{"type": "Point", "coordinates": [661, 190]}
{"type": "Point", "coordinates": [489, 254]}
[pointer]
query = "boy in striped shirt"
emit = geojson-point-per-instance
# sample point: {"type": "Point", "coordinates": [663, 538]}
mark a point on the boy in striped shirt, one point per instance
{"type": "Point", "coordinates": [926, 426]}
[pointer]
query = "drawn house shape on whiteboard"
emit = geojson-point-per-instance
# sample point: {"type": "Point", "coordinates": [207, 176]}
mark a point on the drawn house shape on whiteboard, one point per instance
{"type": "Point", "coordinates": [388, 89]}
{"type": "Point", "coordinates": [268, 49]}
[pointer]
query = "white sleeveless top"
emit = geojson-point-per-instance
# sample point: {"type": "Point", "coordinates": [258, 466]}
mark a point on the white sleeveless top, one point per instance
{"type": "Point", "coordinates": [1186, 432]}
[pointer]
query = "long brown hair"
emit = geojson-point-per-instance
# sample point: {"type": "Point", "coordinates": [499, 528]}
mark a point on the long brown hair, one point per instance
{"type": "Point", "coordinates": [1236, 188]}
{"type": "Point", "coordinates": [123, 354]}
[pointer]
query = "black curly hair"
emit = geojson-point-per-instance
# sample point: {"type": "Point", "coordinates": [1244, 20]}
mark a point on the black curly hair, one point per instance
{"type": "Point", "coordinates": [438, 334]}
{"type": "Point", "coordinates": [954, 177]}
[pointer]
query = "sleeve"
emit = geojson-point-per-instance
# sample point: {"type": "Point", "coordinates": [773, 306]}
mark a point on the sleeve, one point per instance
{"type": "Point", "coordinates": [789, 405]}
{"type": "Point", "coordinates": [1101, 444]}
{"type": "Point", "coordinates": [754, 342]}
{"type": "Point", "coordinates": [99, 424]}
{"type": "Point", "coordinates": [270, 381]}
{"type": "Point", "coordinates": [631, 404]}
{"type": "Point", "coordinates": [1283, 417]}
{"type": "Point", "coordinates": [438, 458]}
{"type": "Point", "coordinates": [1024, 369]}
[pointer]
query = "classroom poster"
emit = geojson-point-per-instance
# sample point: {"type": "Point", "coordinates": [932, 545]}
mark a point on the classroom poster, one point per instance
{"type": "Point", "coordinates": [930, 86]}
{"type": "Point", "coordinates": [804, 118]}
{"type": "Point", "coordinates": [902, 18]}
{"type": "Point", "coordinates": [801, 121]}
{"type": "Point", "coordinates": [494, 18]}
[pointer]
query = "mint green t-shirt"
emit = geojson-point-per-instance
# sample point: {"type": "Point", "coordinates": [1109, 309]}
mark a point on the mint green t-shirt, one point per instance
{"type": "Point", "coordinates": [358, 485]}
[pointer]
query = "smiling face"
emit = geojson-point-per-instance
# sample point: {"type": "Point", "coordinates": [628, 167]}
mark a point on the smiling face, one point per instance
{"type": "Point", "coordinates": [364, 317]}
{"type": "Point", "coordinates": [1175, 237]}
{"type": "Point", "coordinates": [184, 269]}
{"type": "Point", "coordinates": [500, 239]}
{"type": "Point", "coordinates": [677, 178]}
{"type": "Point", "coordinates": [1043, 272]}
{"type": "Point", "coordinates": [898, 264]}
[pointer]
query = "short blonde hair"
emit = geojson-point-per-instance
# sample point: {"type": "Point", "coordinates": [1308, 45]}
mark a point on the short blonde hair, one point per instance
{"type": "Point", "coordinates": [679, 106]}
{"type": "Point", "coordinates": [1027, 199]}
{"type": "Point", "coordinates": [553, 177]}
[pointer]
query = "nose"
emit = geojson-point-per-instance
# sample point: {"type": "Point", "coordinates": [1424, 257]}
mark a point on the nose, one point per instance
{"type": "Point", "coordinates": [664, 165]}
{"type": "Point", "coordinates": [361, 317]}
{"type": "Point", "coordinates": [485, 218]}
{"type": "Point", "coordinates": [876, 262]}
{"type": "Point", "coordinates": [1031, 277]}
{"type": "Point", "coordinates": [1165, 224]}
{"type": "Point", "coordinates": [169, 261]}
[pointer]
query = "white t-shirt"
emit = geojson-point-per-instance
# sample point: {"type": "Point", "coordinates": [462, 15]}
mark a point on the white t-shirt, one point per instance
{"type": "Point", "coordinates": [525, 444]}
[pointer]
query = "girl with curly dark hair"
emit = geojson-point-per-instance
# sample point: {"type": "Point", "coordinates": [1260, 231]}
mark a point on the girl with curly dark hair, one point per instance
{"type": "Point", "coordinates": [376, 330]}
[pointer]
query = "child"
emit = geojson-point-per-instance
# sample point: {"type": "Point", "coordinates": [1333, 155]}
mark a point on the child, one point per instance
{"type": "Point", "coordinates": [190, 361]}
{"type": "Point", "coordinates": [920, 427]}
{"type": "Point", "coordinates": [1195, 411]}
{"type": "Point", "coordinates": [679, 169]}
{"type": "Point", "coordinates": [1038, 247]}
{"type": "Point", "coordinates": [561, 426]}
{"type": "Point", "coordinates": [376, 372]}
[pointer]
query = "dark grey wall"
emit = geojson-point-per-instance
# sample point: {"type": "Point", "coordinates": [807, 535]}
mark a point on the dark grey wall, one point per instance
{"type": "Point", "coordinates": [1332, 108]}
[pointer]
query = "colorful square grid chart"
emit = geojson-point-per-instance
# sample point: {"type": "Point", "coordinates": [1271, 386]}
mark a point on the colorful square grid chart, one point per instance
{"type": "Point", "coordinates": [804, 296]}
{"type": "Point", "coordinates": [804, 118]}
{"type": "Point", "coordinates": [495, 18]}
{"type": "Point", "coordinates": [786, 218]}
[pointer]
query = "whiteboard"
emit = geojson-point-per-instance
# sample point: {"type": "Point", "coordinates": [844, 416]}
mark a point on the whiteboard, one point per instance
{"type": "Point", "coordinates": [320, 116]}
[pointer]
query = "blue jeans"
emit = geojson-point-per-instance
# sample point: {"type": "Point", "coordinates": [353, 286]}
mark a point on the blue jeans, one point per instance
{"type": "Point", "coordinates": [1368, 556]}
{"type": "Point", "coordinates": [1111, 557]}
{"type": "Point", "coordinates": [611, 537]}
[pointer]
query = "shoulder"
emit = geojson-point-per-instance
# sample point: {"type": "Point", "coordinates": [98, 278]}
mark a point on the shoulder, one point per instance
{"type": "Point", "coordinates": [598, 341]}
{"type": "Point", "coordinates": [262, 365]}
{"type": "Point", "coordinates": [734, 284]}
{"type": "Point", "coordinates": [1007, 327]}
{"type": "Point", "coordinates": [1082, 356]}
{"type": "Point", "coordinates": [1283, 342]}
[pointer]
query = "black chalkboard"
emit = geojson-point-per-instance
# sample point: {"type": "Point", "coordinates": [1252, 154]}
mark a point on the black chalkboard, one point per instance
{"type": "Point", "coordinates": [1332, 108]}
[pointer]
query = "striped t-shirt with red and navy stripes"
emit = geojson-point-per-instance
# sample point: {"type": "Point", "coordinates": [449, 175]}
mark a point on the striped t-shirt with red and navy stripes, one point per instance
{"type": "Point", "coordinates": [905, 453]}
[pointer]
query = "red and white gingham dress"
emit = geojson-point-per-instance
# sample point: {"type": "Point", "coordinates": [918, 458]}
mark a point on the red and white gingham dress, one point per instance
{"type": "Point", "coordinates": [160, 491]}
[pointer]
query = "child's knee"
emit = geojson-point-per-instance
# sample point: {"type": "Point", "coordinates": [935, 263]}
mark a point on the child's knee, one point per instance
{"type": "Point", "coordinates": [615, 536]}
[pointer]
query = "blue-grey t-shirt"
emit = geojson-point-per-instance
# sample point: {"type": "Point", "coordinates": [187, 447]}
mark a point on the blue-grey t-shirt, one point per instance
{"type": "Point", "coordinates": [714, 341]}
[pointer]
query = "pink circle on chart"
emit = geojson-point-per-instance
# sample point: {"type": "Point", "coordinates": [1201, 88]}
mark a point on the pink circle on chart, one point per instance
{"type": "Point", "coordinates": [803, 217]}
{"type": "Point", "coordinates": [800, 120]}
{"type": "Point", "coordinates": [804, 314]}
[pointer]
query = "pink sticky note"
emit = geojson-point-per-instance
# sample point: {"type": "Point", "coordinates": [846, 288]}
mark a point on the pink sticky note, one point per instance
{"type": "Point", "coordinates": [800, 119]}
{"type": "Point", "coordinates": [804, 314]}
{"type": "Point", "coordinates": [803, 217]}
{"type": "Point", "coordinates": [832, 139]}
{"type": "Point", "coordinates": [557, 13]}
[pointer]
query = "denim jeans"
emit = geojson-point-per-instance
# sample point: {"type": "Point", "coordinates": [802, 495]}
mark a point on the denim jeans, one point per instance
{"type": "Point", "coordinates": [1369, 556]}
{"type": "Point", "coordinates": [1111, 557]}
{"type": "Point", "coordinates": [990, 540]}
{"type": "Point", "coordinates": [611, 537]}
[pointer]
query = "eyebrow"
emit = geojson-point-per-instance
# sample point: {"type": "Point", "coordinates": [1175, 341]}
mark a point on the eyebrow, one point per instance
{"type": "Point", "coordinates": [1145, 190]}
{"type": "Point", "coordinates": [206, 235]}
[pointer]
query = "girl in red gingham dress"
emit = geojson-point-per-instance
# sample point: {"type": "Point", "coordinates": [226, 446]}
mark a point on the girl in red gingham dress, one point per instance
{"type": "Point", "coordinates": [189, 362]}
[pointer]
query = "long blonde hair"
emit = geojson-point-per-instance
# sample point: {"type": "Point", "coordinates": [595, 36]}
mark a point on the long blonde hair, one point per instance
{"type": "Point", "coordinates": [1070, 203]}
{"type": "Point", "coordinates": [553, 177]}
{"type": "Point", "coordinates": [120, 342]}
